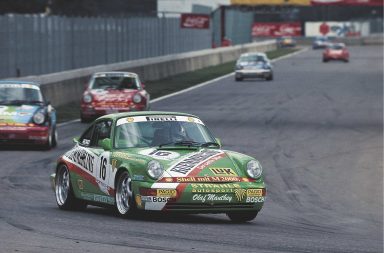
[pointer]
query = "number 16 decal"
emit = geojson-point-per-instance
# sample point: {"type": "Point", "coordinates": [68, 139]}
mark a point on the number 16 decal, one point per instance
{"type": "Point", "coordinates": [103, 167]}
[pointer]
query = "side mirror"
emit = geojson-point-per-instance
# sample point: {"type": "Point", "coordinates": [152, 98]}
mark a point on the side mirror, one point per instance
{"type": "Point", "coordinates": [218, 141]}
{"type": "Point", "coordinates": [143, 85]}
{"type": "Point", "coordinates": [106, 144]}
{"type": "Point", "coordinates": [76, 140]}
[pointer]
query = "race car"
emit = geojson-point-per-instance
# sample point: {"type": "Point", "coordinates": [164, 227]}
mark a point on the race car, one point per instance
{"type": "Point", "coordinates": [336, 51]}
{"type": "Point", "coordinates": [253, 65]}
{"type": "Point", "coordinates": [111, 92]}
{"type": "Point", "coordinates": [25, 116]}
{"type": "Point", "coordinates": [320, 42]}
{"type": "Point", "coordinates": [157, 161]}
{"type": "Point", "coordinates": [286, 41]}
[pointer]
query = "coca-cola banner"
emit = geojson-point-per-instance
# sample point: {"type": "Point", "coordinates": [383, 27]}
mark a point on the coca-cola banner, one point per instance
{"type": "Point", "coordinates": [276, 29]}
{"type": "Point", "coordinates": [196, 21]}
{"type": "Point", "coordinates": [348, 2]}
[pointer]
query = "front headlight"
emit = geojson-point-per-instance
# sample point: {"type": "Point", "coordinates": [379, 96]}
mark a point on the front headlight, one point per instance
{"type": "Point", "coordinates": [87, 98]}
{"type": "Point", "coordinates": [254, 169]}
{"type": "Point", "coordinates": [155, 169]}
{"type": "Point", "coordinates": [137, 98]}
{"type": "Point", "coordinates": [39, 117]}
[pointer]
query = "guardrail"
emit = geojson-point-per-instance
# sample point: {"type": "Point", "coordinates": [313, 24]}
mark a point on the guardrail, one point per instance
{"type": "Point", "coordinates": [67, 86]}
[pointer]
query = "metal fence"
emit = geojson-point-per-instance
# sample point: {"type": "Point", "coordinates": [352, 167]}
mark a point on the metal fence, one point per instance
{"type": "Point", "coordinates": [38, 44]}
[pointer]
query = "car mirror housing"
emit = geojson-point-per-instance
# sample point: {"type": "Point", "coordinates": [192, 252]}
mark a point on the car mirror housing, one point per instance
{"type": "Point", "coordinates": [106, 144]}
{"type": "Point", "coordinates": [76, 140]}
{"type": "Point", "coordinates": [218, 141]}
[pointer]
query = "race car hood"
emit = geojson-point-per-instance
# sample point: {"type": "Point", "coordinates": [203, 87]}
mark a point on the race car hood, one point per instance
{"type": "Point", "coordinates": [113, 95]}
{"type": "Point", "coordinates": [17, 114]}
{"type": "Point", "coordinates": [193, 162]}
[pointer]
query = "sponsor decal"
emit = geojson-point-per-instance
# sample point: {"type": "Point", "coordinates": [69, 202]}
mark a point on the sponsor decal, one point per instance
{"type": "Point", "coordinates": [158, 118]}
{"type": "Point", "coordinates": [80, 184]}
{"type": "Point", "coordinates": [201, 179]}
{"type": "Point", "coordinates": [82, 158]}
{"type": "Point", "coordinates": [113, 164]}
{"type": "Point", "coordinates": [223, 171]}
{"type": "Point", "coordinates": [160, 154]}
{"type": "Point", "coordinates": [138, 201]}
{"type": "Point", "coordinates": [254, 199]}
{"type": "Point", "coordinates": [156, 199]}
{"type": "Point", "coordinates": [128, 157]}
{"type": "Point", "coordinates": [185, 166]}
{"type": "Point", "coordinates": [211, 198]}
{"type": "Point", "coordinates": [240, 194]}
{"type": "Point", "coordinates": [214, 188]}
{"type": "Point", "coordinates": [138, 177]}
{"type": "Point", "coordinates": [98, 198]}
{"type": "Point", "coordinates": [161, 118]}
{"type": "Point", "coordinates": [254, 192]}
{"type": "Point", "coordinates": [166, 193]}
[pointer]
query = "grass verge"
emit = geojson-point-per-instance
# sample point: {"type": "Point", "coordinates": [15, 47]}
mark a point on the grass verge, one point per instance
{"type": "Point", "coordinates": [172, 84]}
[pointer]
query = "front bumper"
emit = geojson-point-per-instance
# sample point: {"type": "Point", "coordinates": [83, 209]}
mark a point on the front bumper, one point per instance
{"type": "Point", "coordinates": [89, 111]}
{"type": "Point", "coordinates": [200, 197]}
{"type": "Point", "coordinates": [24, 134]}
{"type": "Point", "coordinates": [252, 73]}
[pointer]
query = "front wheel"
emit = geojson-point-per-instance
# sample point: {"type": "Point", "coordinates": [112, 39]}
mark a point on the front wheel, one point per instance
{"type": "Point", "coordinates": [125, 204]}
{"type": "Point", "coordinates": [241, 217]}
{"type": "Point", "coordinates": [65, 197]}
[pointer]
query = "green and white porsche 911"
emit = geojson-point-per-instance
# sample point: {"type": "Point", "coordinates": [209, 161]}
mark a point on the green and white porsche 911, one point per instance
{"type": "Point", "coordinates": [158, 161]}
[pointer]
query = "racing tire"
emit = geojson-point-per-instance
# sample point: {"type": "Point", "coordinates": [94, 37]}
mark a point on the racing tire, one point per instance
{"type": "Point", "coordinates": [84, 120]}
{"type": "Point", "coordinates": [241, 217]}
{"type": "Point", "coordinates": [238, 79]}
{"type": "Point", "coordinates": [346, 60]}
{"type": "Point", "coordinates": [269, 78]}
{"type": "Point", "coordinates": [65, 198]}
{"type": "Point", "coordinates": [325, 60]}
{"type": "Point", "coordinates": [54, 138]}
{"type": "Point", "coordinates": [124, 197]}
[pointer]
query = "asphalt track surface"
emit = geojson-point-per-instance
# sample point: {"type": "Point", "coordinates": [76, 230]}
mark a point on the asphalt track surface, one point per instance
{"type": "Point", "coordinates": [318, 131]}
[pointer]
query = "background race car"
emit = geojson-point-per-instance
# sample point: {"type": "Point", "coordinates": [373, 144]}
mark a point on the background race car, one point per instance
{"type": "Point", "coordinates": [336, 51]}
{"type": "Point", "coordinates": [158, 161]}
{"type": "Point", "coordinates": [111, 92]}
{"type": "Point", "coordinates": [25, 116]}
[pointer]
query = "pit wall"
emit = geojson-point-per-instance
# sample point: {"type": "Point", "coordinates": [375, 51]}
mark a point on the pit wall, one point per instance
{"type": "Point", "coordinates": [67, 86]}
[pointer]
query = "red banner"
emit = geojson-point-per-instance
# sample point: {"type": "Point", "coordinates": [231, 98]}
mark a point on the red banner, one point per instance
{"type": "Point", "coordinates": [195, 21]}
{"type": "Point", "coordinates": [348, 2]}
{"type": "Point", "coordinates": [276, 29]}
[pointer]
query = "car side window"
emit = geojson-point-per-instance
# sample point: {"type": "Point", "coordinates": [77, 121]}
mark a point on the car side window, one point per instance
{"type": "Point", "coordinates": [102, 131]}
{"type": "Point", "coordinates": [85, 139]}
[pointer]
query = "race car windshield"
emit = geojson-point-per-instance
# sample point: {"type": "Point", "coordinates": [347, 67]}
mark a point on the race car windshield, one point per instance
{"type": "Point", "coordinates": [115, 82]}
{"type": "Point", "coordinates": [252, 58]}
{"type": "Point", "coordinates": [336, 47]}
{"type": "Point", "coordinates": [158, 134]}
{"type": "Point", "coordinates": [16, 95]}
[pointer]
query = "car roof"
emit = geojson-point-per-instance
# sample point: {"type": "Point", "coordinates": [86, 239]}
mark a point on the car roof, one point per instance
{"type": "Point", "coordinates": [144, 113]}
{"type": "Point", "coordinates": [18, 82]}
{"type": "Point", "coordinates": [115, 72]}
{"type": "Point", "coordinates": [253, 53]}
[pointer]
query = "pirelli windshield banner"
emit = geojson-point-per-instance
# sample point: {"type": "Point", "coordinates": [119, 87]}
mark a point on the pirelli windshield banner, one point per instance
{"type": "Point", "coordinates": [271, 2]}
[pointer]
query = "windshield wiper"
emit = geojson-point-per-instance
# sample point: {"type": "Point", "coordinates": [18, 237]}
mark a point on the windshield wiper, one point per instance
{"type": "Point", "coordinates": [207, 144]}
{"type": "Point", "coordinates": [181, 143]}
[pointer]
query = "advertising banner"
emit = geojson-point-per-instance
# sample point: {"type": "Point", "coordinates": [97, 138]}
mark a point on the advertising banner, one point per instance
{"type": "Point", "coordinates": [348, 2]}
{"type": "Point", "coordinates": [276, 29]}
{"type": "Point", "coordinates": [194, 21]}
{"type": "Point", "coordinates": [271, 2]}
{"type": "Point", "coordinates": [337, 29]}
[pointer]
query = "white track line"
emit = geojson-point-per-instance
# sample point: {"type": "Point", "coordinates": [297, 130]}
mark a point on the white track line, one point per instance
{"type": "Point", "coordinates": [195, 86]}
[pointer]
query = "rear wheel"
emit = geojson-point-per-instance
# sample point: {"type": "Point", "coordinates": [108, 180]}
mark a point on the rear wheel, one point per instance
{"type": "Point", "coordinates": [241, 217]}
{"type": "Point", "coordinates": [325, 60]}
{"type": "Point", "coordinates": [269, 78]}
{"type": "Point", "coordinates": [238, 79]}
{"type": "Point", "coordinates": [65, 197]}
{"type": "Point", "coordinates": [124, 199]}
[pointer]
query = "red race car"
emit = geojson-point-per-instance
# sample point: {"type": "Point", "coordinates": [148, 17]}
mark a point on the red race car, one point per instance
{"type": "Point", "coordinates": [111, 92]}
{"type": "Point", "coordinates": [336, 51]}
